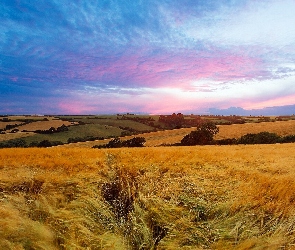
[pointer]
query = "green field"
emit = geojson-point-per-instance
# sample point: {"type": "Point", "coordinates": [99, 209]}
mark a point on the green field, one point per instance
{"type": "Point", "coordinates": [81, 131]}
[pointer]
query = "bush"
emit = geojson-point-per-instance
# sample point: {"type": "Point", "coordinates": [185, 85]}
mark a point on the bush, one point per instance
{"type": "Point", "coordinates": [114, 143]}
{"type": "Point", "coordinates": [15, 143]}
{"type": "Point", "coordinates": [260, 138]}
{"type": "Point", "coordinates": [288, 139]}
{"type": "Point", "coordinates": [202, 136]}
{"type": "Point", "coordinates": [46, 143]}
{"type": "Point", "coordinates": [229, 141]}
{"type": "Point", "coordinates": [117, 143]}
{"type": "Point", "coordinates": [134, 142]}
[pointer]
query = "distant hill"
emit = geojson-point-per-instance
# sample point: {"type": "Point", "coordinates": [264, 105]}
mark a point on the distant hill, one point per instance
{"type": "Point", "coordinates": [276, 110]}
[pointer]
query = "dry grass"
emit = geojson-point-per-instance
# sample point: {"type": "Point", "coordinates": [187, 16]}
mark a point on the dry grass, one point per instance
{"type": "Point", "coordinates": [4, 124]}
{"type": "Point", "coordinates": [44, 125]}
{"type": "Point", "coordinates": [281, 128]}
{"type": "Point", "coordinates": [218, 197]}
{"type": "Point", "coordinates": [11, 136]}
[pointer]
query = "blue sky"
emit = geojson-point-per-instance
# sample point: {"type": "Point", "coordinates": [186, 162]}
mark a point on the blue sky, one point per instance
{"type": "Point", "coordinates": [95, 56]}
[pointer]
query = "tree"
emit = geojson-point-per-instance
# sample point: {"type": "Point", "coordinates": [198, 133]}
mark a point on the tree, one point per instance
{"type": "Point", "coordinates": [202, 136]}
{"type": "Point", "coordinates": [172, 121]}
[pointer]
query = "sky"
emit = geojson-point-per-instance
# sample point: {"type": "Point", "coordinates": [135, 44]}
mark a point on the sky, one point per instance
{"type": "Point", "coordinates": [155, 56]}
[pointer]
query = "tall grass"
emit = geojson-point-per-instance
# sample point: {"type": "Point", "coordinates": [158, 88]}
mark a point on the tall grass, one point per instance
{"type": "Point", "coordinates": [218, 197]}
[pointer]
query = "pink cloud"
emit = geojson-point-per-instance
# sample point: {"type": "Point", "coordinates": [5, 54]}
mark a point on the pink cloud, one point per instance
{"type": "Point", "coordinates": [178, 69]}
{"type": "Point", "coordinates": [75, 107]}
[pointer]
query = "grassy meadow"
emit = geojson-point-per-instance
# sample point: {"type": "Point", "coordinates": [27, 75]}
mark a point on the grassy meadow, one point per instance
{"type": "Point", "coordinates": [199, 197]}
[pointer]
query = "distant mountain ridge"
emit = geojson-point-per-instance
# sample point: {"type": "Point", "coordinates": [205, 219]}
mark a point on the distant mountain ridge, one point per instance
{"type": "Point", "coordinates": [276, 110]}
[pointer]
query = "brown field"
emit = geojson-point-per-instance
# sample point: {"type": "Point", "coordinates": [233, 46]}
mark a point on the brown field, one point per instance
{"type": "Point", "coordinates": [44, 125]}
{"type": "Point", "coordinates": [203, 197]}
{"type": "Point", "coordinates": [225, 131]}
{"type": "Point", "coordinates": [3, 124]}
{"type": "Point", "coordinates": [10, 136]}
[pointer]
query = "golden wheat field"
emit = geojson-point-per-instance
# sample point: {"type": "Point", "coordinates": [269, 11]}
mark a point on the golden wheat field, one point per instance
{"type": "Point", "coordinates": [281, 128]}
{"type": "Point", "coordinates": [202, 197]}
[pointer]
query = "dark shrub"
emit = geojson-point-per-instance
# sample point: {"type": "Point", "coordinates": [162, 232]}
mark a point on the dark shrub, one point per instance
{"type": "Point", "coordinates": [114, 143]}
{"type": "Point", "coordinates": [260, 138]}
{"type": "Point", "coordinates": [44, 144]}
{"type": "Point", "coordinates": [15, 143]}
{"type": "Point", "coordinates": [229, 141]}
{"type": "Point", "coordinates": [117, 143]}
{"type": "Point", "coordinates": [134, 142]}
{"type": "Point", "coordinates": [288, 139]}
